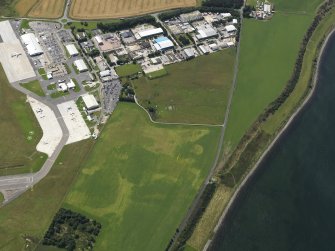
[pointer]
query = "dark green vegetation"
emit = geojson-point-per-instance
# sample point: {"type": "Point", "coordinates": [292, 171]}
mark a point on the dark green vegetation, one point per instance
{"type": "Point", "coordinates": [71, 231]}
{"type": "Point", "coordinates": [289, 205]}
{"type": "Point", "coordinates": [35, 87]}
{"type": "Point", "coordinates": [128, 70]}
{"type": "Point", "coordinates": [126, 23]}
{"type": "Point", "coordinates": [24, 24]}
{"type": "Point", "coordinates": [20, 132]}
{"type": "Point", "coordinates": [127, 93]}
{"type": "Point", "coordinates": [25, 220]}
{"type": "Point", "coordinates": [235, 4]}
{"type": "Point", "coordinates": [194, 91]}
{"type": "Point", "coordinates": [143, 177]}
{"type": "Point", "coordinates": [7, 7]}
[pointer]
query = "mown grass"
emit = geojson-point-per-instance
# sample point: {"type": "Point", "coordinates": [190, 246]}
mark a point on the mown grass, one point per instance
{"type": "Point", "coordinates": [35, 87]}
{"type": "Point", "coordinates": [20, 132]}
{"type": "Point", "coordinates": [31, 213]}
{"type": "Point", "coordinates": [194, 91]}
{"type": "Point", "coordinates": [267, 58]}
{"type": "Point", "coordinates": [140, 179]}
{"type": "Point", "coordinates": [127, 70]}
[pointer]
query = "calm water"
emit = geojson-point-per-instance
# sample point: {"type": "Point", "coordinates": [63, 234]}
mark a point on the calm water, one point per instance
{"type": "Point", "coordinates": [290, 204]}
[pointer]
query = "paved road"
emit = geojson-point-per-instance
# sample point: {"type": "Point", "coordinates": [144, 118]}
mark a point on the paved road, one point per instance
{"type": "Point", "coordinates": [20, 183]}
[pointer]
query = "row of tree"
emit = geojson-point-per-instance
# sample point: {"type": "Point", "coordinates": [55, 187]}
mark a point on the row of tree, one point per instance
{"type": "Point", "coordinates": [125, 24]}
{"type": "Point", "coordinates": [234, 4]}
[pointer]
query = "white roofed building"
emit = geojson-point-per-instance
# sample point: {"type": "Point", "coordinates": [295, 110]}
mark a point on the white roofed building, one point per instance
{"type": "Point", "coordinates": [149, 33]}
{"type": "Point", "coordinates": [90, 102]}
{"type": "Point", "coordinates": [226, 15]}
{"type": "Point", "coordinates": [32, 44]}
{"type": "Point", "coordinates": [80, 64]}
{"type": "Point", "coordinates": [99, 40]}
{"type": "Point", "coordinates": [230, 28]}
{"type": "Point", "coordinates": [72, 50]}
{"type": "Point", "coordinates": [105, 73]}
{"type": "Point", "coordinates": [71, 84]}
{"type": "Point", "coordinates": [205, 32]}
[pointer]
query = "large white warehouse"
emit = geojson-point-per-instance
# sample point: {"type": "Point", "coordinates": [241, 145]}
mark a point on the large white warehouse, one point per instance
{"type": "Point", "coordinates": [149, 33]}
{"type": "Point", "coordinates": [81, 66]}
{"type": "Point", "coordinates": [32, 44]}
{"type": "Point", "coordinates": [72, 50]}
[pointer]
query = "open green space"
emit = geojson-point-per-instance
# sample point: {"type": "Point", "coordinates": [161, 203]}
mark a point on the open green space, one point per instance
{"type": "Point", "coordinates": [157, 74]}
{"type": "Point", "coordinates": [140, 179]}
{"type": "Point", "coordinates": [31, 214]}
{"type": "Point", "coordinates": [127, 70]}
{"type": "Point", "coordinates": [20, 132]}
{"type": "Point", "coordinates": [52, 87]}
{"type": "Point", "coordinates": [194, 91]}
{"type": "Point", "coordinates": [35, 87]}
{"type": "Point", "coordinates": [268, 54]}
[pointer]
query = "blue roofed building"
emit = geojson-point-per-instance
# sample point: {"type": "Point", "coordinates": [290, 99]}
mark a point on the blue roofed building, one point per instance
{"type": "Point", "coordinates": [163, 43]}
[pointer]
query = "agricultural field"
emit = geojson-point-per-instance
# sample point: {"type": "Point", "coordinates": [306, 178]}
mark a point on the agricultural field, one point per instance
{"type": "Point", "coordinates": [266, 63]}
{"type": "Point", "coordinates": [20, 132]}
{"type": "Point", "coordinates": [100, 9]}
{"type": "Point", "coordinates": [194, 91]}
{"type": "Point", "coordinates": [140, 179]}
{"type": "Point", "coordinates": [31, 214]}
{"type": "Point", "coordinates": [40, 8]}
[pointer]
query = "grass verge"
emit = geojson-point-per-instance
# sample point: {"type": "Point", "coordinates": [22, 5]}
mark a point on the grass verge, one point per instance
{"type": "Point", "coordinates": [35, 87]}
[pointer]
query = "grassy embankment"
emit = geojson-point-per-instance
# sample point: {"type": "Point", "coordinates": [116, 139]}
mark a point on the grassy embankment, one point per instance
{"type": "Point", "coordinates": [20, 132]}
{"type": "Point", "coordinates": [257, 86]}
{"type": "Point", "coordinates": [30, 214]}
{"type": "Point", "coordinates": [194, 91]}
{"type": "Point", "coordinates": [140, 179]}
{"type": "Point", "coordinates": [40, 8]}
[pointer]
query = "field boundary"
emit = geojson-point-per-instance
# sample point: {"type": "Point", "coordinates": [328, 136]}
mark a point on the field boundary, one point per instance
{"type": "Point", "coordinates": [174, 123]}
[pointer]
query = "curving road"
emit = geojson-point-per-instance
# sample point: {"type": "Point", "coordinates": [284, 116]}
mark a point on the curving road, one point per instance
{"type": "Point", "coordinates": [15, 185]}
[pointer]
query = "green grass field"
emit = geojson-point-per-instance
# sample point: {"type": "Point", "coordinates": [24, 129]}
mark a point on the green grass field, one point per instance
{"type": "Point", "coordinates": [140, 179]}
{"type": "Point", "coordinates": [194, 91]}
{"type": "Point", "coordinates": [157, 74]}
{"type": "Point", "coordinates": [127, 70]}
{"type": "Point", "coordinates": [20, 132]}
{"type": "Point", "coordinates": [268, 54]}
{"type": "Point", "coordinates": [30, 214]}
{"type": "Point", "coordinates": [35, 87]}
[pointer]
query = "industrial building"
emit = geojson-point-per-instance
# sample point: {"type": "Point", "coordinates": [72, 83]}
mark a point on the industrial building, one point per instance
{"type": "Point", "coordinates": [71, 84]}
{"type": "Point", "coordinates": [72, 50]}
{"type": "Point", "coordinates": [149, 33]}
{"type": "Point", "coordinates": [204, 32]}
{"type": "Point", "coordinates": [81, 66]}
{"type": "Point", "coordinates": [189, 53]}
{"type": "Point", "coordinates": [230, 28]}
{"type": "Point", "coordinates": [191, 17]}
{"type": "Point", "coordinates": [99, 40]}
{"type": "Point", "coordinates": [32, 44]}
{"type": "Point", "coordinates": [90, 102]}
{"type": "Point", "coordinates": [105, 73]}
{"type": "Point", "coordinates": [163, 43]}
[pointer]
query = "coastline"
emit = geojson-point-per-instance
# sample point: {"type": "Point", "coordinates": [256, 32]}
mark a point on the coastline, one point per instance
{"type": "Point", "coordinates": [253, 170]}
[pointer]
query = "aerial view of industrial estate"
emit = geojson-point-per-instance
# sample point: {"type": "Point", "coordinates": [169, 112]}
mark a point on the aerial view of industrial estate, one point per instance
{"type": "Point", "coordinates": [140, 125]}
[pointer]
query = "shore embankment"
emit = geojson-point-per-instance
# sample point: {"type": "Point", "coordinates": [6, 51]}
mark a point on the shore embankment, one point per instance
{"type": "Point", "coordinates": [253, 171]}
